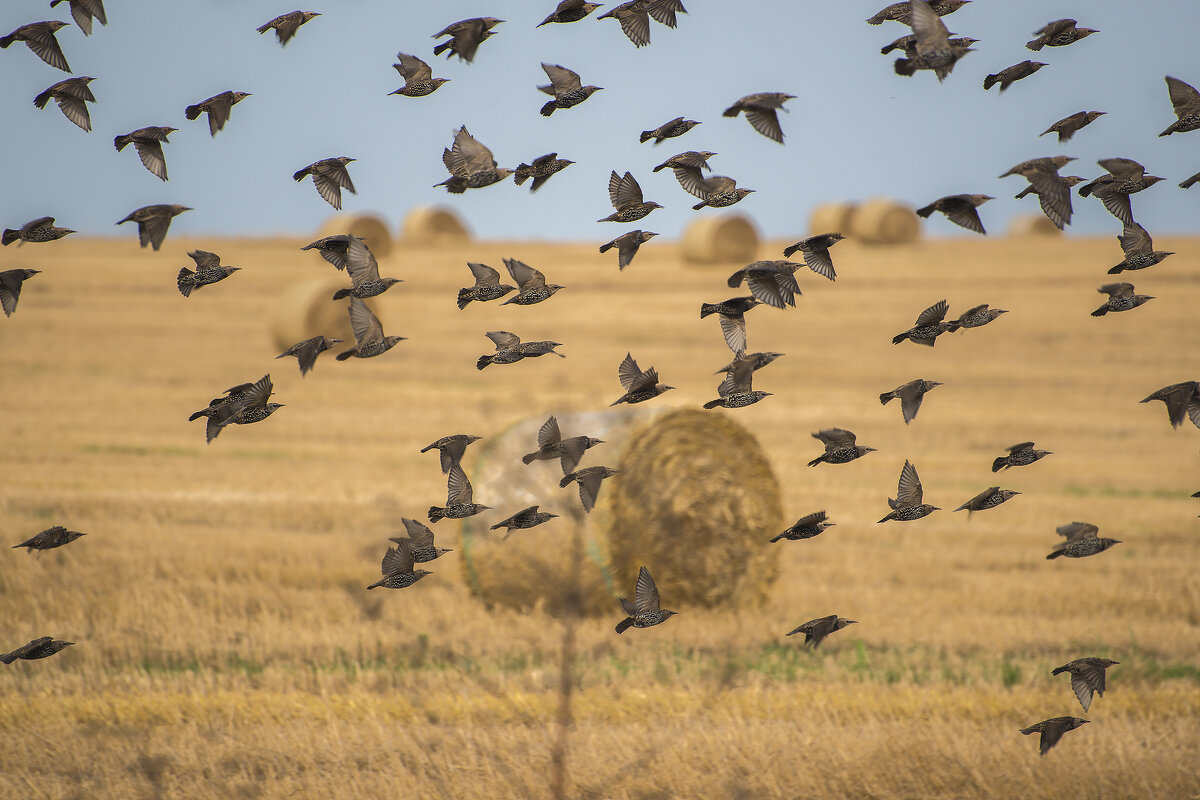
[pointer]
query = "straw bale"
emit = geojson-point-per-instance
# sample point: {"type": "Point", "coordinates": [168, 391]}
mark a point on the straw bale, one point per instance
{"type": "Point", "coordinates": [881, 220]}
{"type": "Point", "coordinates": [725, 239]}
{"type": "Point", "coordinates": [434, 225]}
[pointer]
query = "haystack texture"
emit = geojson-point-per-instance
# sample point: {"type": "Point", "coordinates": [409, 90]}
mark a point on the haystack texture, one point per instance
{"type": "Point", "coordinates": [434, 225]}
{"type": "Point", "coordinates": [881, 220]}
{"type": "Point", "coordinates": [370, 227]}
{"type": "Point", "coordinates": [831, 218]}
{"type": "Point", "coordinates": [1032, 225]}
{"type": "Point", "coordinates": [307, 309]}
{"type": "Point", "coordinates": [723, 239]}
{"type": "Point", "coordinates": [695, 500]}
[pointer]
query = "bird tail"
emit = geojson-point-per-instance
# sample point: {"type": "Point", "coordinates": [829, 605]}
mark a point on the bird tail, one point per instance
{"type": "Point", "coordinates": [885, 519]}
{"type": "Point", "coordinates": [548, 109]}
{"type": "Point", "coordinates": [121, 142]}
{"type": "Point", "coordinates": [999, 464]}
{"type": "Point", "coordinates": [186, 281]}
{"type": "Point", "coordinates": [645, 137]}
{"type": "Point", "coordinates": [699, 205]}
{"type": "Point", "coordinates": [345, 354]}
{"type": "Point", "coordinates": [41, 100]}
{"type": "Point", "coordinates": [372, 586]}
{"type": "Point", "coordinates": [436, 513]}
{"type": "Point", "coordinates": [788, 251]}
{"type": "Point", "coordinates": [777, 538]}
{"type": "Point", "coordinates": [886, 398]}
{"type": "Point", "coordinates": [713, 403]}
{"type": "Point", "coordinates": [926, 211]}
{"type": "Point", "coordinates": [8, 658]}
{"type": "Point", "coordinates": [904, 66]}
{"type": "Point", "coordinates": [706, 309]}
{"type": "Point", "coordinates": [1101, 311]}
{"type": "Point", "coordinates": [483, 362]}
{"type": "Point", "coordinates": [899, 337]}
{"type": "Point", "coordinates": [1051, 557]}
{"type": "Point", "coordinates": [876, 20]}
{"type": "Point", "coordinates": [4, 43]}
{"type": "Point", "coordinates": [1028, 731]}
{"type": "Point", "coordinates": [1086, 189]}
{"type": "Point", "coordinates": [952, 327]}
{"type": "Point", "coordinates": [201, 413]}
{"type": "Point", "coordinates": [192, 112]}
{"type": "Point", "coordinates": [990, 81]}
{"type": "Point", "coordinates": [1025, 192]}
{"type": "Point", "coordinates": [443, 47]}
{"type": "Point", "coordinates": [521, 174]}
{"type": "Point", "coordinates": [816, 461]}
{"type": "Point", "coordinates": [622, 626]}
{"type": "Point", "coordinates": [529, 458]}
{"type": "Point", "coordinates": [10, 236]}
{"type": "Point", "coordinates": [1169, 130]}
{"type": "Point", "coordinates": [1058, 670]}
{"type": "Point", "coordinates": [340, 293]}
{"type": "Point", "coordinates": [1035, 45]}
{"type": "Point", "coordinates": [464, 298]}
{"type": "Point", "coordinates": [1118, 269]}
{"type": "Point", "coordinates": [566, 480]}
{"type": "Point", "coordinates": [604, 248]}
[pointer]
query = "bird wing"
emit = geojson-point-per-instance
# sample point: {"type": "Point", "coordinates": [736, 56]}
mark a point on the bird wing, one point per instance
{"type": "Point", "coordinates": [635, 24]}
{"type": "Point", "coordinates": [1135, 240]}
{"type": "Point", "coordinates": [419, 534]}
{"type": "Point", "coordinates": [40, 222]}
{"type": "Point", "coordinates": [770, 287]}
{"type": "Point", "coordinates": [833, 438]}
{"type": "Point", "coordinates": [692, 181]}
{"type": "Point", "coordinates": [328, 186]}
{"type": "Point", "coordinates": [563, 80]}
{"type": "Point", "coordinates": [42, 42]}
{"type": "Point", "coordinates": [1052, 29]}
{"type": "Point", "coordinates": [1077, 530]}
{"type": "Point", "coordinates": [360, 262]}
{"type": "Point", "coordinates": [928, 27]}
{"type": "Point", "coordinates": [908, 491]}
{"type": "Point", "coordinates": [664, 11]}
{"type": "Point", "coordinates": [1123, 168]}
{"type": "Point", "coordinates": [810, 520]}
{"type": "Point", "coordinates": [544, 161]}
{"type": "Point", "coordinates": [203, 259]}
{"type": "Point", "coordinates": [470, 154]}
{"type": "Point", "coordinates": [74, 108]}
{"type": "Point", "coordinates": [504, 341]}
{"type": "Point", "coordinates": [1118, 205]}
{"type": "Point", "coordinates": [966, 215]}
{"type": "Point", "coordinates": [1054, 195]}
{"type": "Point", "coordinates": [570, 451]}
{"type": "Point", "coordinates": [219, 109]}
{"type": "Point", "coordinates": [819, 261]}
{"type": "Point", "coordinates": [526, 276]}
{"type": "Point", "coordinates": [413, 68]}
{"type": "Point", "coordinates": [256, 396]}
{"type": "Point", "coordinates": [646, 593]}
{"type": "Point", "coordinates": [397, 560]}
{"type": "Point", "coordinates": [910, 399]}
{"type": "Point", "coordinates": [624, 191]}
{"type": "Point", "coordinates": [458, 487]}
{"type": "Point", "coordinates": [1016, 448]}
{"type": "Point", "coordinates": [151, 154]}
{"type": "Point", "coordinates": [549, 434]}
{"type": "Point", "coordinates": [1117, 290]}
{"type": "Point", "coordinates": [734, 330]}
{"type": "Point", "coordinates": [1184, 97]}
{"type": "Point", "coordinates": [630, 375]}
{"type": "Point", "coordinates": [484, 275]}
{"type": "Point", "coordinates": [766, 122]}
{"type": "Point", "coordinates": [365, 325]}
{"type": "Point", "coordinates": [451, 453]}
{"type": "Point", "coordinates": [589, 490]}
{"type": "Point", "coordinates": [933, 315]}
{"type": "Point", "coordinates": [333, 249]}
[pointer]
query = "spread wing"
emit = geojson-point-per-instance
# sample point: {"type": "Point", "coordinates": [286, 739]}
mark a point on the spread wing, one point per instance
{"type": "Point", "coordinates": [549, 434]}
{"type": "Point", "coordinates": [624, 191]}
{"type": "Point", "coordinates": [504, 340]}
{"type": "Point", "coordinates": [360, 262]}
{"type": "Point", "coordinates": [151, 154]}
{"type": "Point", "coordinates": [834, 438]}
{"type": "Point", "coordinates": [1184, 97]}
{"type": "Point", "coordinates": [734, 330]}
{"type": "Point", "coordinates": [646, 593]}
{"type": "Point", "coordinates": [766, 122]}
{"type": "Point", "coordinates": [908, 491]}
{"type": "Point", "coordinates": [1135, 240]}
{"type": "Point", "coordinates": [484, 275]}
{"type": "Point", "coordinates": [398, 559]}
{"type": "Point", "coordinates": [562, 79]}
{"type": "Point", "coordinates": [203, 259]}
{"type": "Point", "coordinates": [933, 315]}
{"type": "Point", "coordinates": [468, 155]}
{"type": "Point", "coordinates": [420, 534]}
{"type": "Point", "coordinates": [692, 181]}
{"type": "Point", "coordinates": [413, 68]}
{"type": "Point", "coordinates": [1117, 290]}
{"type": "Point", "coordinates": [458, 488]}
{"type": "Point", "coordinates": [365, 325]}
{"type": "Point", "coordinates": [526, 276]}
{"type": "Point", "coordinates": [632, 377]}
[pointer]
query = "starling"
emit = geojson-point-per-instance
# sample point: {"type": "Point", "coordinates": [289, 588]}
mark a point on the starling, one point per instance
{"type": "Point", "coordinates": [1009, 75]}
{"type": "Point", "coordinates": [49, 539]}
{"type": "Point", "coordinates": [510, 349]}
{"type": "Point", "coordinates": [1051, 730]}
{"type": "Point", "coordinates": [806, 528]}
{"type": "Point", "coordinates": [487, 286]}
{"type": "Point", "coordinates": [1087, 676]}
{"type": "Point", "coordinates": [420, 542]}
{"type": "Point", "coordinates": [208, 270]}
{"type": "Point", "coordinates": [216, 407]}
{"type": "Point", "coordinates": [900, 12]}
{"type": "Point", "coordinates": [72, 96]}
{"type": "Point", "coordinates": [934, 50]}
{"type": "Point", "coordinates": [540, 170]}
{"type": "Point", "coordinates": [733, 321]}
{"type": "Point", "coordinates": [1125, 177]}
{"type": "Point", "coordinates": [1052, 189]}
{"type": "Point", "coordinates": [1019, 455]}
{"type": "Point", "coordinates": [369, 340]}
{"type": "Point", "coordinates": [252, 407]}
{"type": "Point", "coordinates": [908, 44]}
{"type": "Point", "coordinates": [458, 498]}
{"type": "Point", "coordinates": [470, 164]}
{"type": "Point", "coordinates": [39, 37]}
{"type": "Point", "coordinates": [38, 648]}
{"type": "Point", "coordinates": [840, 447]}
{"type": "Point", "coordinates": [627, 245]}
{"type": "Point", "coordinates": [565, 87]}
{"type": "Point", "coordinates": [644, 611]}
{"type": "Point", "coordinates": [41, 229]}
{"type": "Point", "coordinates": [525, 518]}
{"type": "Point", "coordinates": [397, 568]}
{"type": "Point", "coordinates": [218, 107]}
{"type": "Point", "coordinates": [976, 317]}
{"type": "Point", "coordinates": [668, 130]}
{"type": "Point", "coordinates": [988, 498]}
{"type": "Point", "coordinates": [532, 286]}
{"type": "Point", "coordinates": [717, 191]}
{"type": "Point", "coordinates": [772, 282]}
{"type": "Point", "coordinates": [626, 197]}
{"type": "Point", "coordinates": [1184, 99]}
{"type": "Point", "coordinates": [815, 630]}
{"type": "Point", "coordinates": [1181, 399]}
{"type": "Point", "coordinates": [815, 250]}
{"type": "Point", "coordinates": [959, 209]}
{"type": "Point", "coordinates": [1070, 180]}
{"type": "Point", "coordinates": [911, 394]}
{"type": "Point", "coordinates": [418, 77]}
{"type": "Point", "coordinates": [1067, 126]}
{"type": "Point", "coordinates": [451, 448]}
{"type": "Point", "coordinates": [1047, 163]}
{"type": "Point", "coordinates": [466, 36]}
{"type": "Point", "coordinates": [82, 11]}
{"type": "Point", "coordinates": [352, 253]}
{"type": "Point", "coordinates": [153, 222]}
{"type": "Point", "coordinates": [930, 325]}
{"type": "Point", "coordinates": [692, 158]}
{"type": "Point", "coordinates": [757, 361]}
{"type": "Point", "coordinates": [639, 386]}
{"type": "Point", "coordinates": [760, 112]}
{"type": "Point", "coordinates": [306, 352]}
{"type": "Point", "coordinates": [551, 445]}
{"type": "Point", "coordinates": [1188, 183]}
{"type": "Point", "coordinates": [148, 142]}
{"type": "Point", "coordinates": [634, 18]}
{"type": "Point", "coordinates": [1081, 541]}
{"type": "Point", "coordinates": [11, 281]}
{"type": "Point", "coordinates": [286, 25]}
{"type": "Point", "coordinates": [908, 506]}
{"type": "Point", "coordinates": [1120, 298]}
{"type": "Point", "coordinates": [570, 11]}
{"type": "Point", "coordinates": [1139, 250]}
{"type": "Point", "coordinates": [736, 390]}
{"type": "Point", "coordinates": [1059, 33]}
{"type": "Point", "coordinates": [329, 175]}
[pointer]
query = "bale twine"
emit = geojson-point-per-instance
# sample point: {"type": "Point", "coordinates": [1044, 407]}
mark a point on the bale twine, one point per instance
{"type": "Point", "coordinates": [720, 240]}
{"type": "Point", "coordinates": [369, 226]}
{"type": "Point", "coordinates": [434, 225]}
{"type": "Point", "coordinates": [1032, 225]}
{"type": "Point", "coordinates": [884, 221]}
{"type": "Point", "coordinates": [831, 218]}
{"type": "Point", "coordinates": [307, 309]}
{"type": "Point", "coordinates": [695, 501]}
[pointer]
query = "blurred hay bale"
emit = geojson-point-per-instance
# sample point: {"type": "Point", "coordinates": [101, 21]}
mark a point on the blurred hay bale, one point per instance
{"type": "Point", "coordinates": [695, 501]}
{"type": "Point", "coordinates": [723, 239]}
{"type": "Point", "coordinates": [1032, 225]}
{"type": "Point", "coordinates": [307, 309]}
{"type": "Point", "coordinates": [881, 220]}
{"type": "Point", "coordinates": [434, 225]}
{"type": "Point", "coordinates": [369, 226]}
{"type": "Point", "coordinates": [831, 218]}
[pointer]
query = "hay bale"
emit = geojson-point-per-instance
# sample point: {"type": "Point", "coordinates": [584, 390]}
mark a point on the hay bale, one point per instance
{"type": "Point", "coordinates": [695, 501]}
{"type": "Point", "coordinates": [369, 226]}
{"type": "Point", "coordinates": [831, 218]}
{"type": "Point", "coordinates": [434, 225]}
{"type": "Point", "coordinates": [725, 239]}
{"type": "Point", "coordinates": [308, 309]}
{"type": "Point", "coordinates": [1032, 225]}
{"type": "Point", "coordinates": [881, 220]}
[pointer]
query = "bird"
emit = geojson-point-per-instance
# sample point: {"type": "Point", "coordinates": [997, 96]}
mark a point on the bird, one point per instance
{"type": "Point", "coordinates": [459, 498]}
{"type": "Point", "coordinates": [737, 390]}
{"type": "Point", "coordinates": [761, 112]}
{"type": "Point", "coordinates": [510, 349]}
{"type": "Point", "coordinates": [988, 498]}
{"type": "Point", "coordinates": [976, 317]}
{"type": "Point", "coordinates": [44, 647]}
{"type": "Point", "coordinates": [1139, 250]}
{"type": "Point", "coordinates": [731, 313]}
{"type": "Point", "coordinates": [1052, 189]}
{"type": "Point", "coordinates": [465, 37]}
{"type": "Point", "coordinates": [531, 284]}
{"type": "Point", "coordinates": [1069, 180]}
{"type": "Point", "coordinates": [153, 222]}
{"type": "Point", "coordinates": [11, 281]}
{"type": "Point", "coordinates": [216, 406]}
{"type": "Point", "coordinates": [1082, 540]}
{"type": "Point", "coordinates": [639, 385]}
{"type": "Point", "coordinates": [1087, 676]}
{"type": "Point", "coordinates": [369, 340]}
{"type": "Point", "coordinates": [806, 528]}
{"type": "Point", "coordinates": [418, 77]}
{"type": "Point", "coordinates": [668, 130]}
{"type": "Point", "coordinates": [1125, 177]}
{"type": "Point", "coordinates": [757, 361]}
{"type": "Point", "coordinates": [1010, 75]}
{"type": "Point", "coordinates": [523, 519]}
{"type": "Point", "coordinates": [716, 191]}
{"type": "Point", "coordinates": [451, 448]}
{"type": "Point", "coordinates": [72, 96]}
{"type": "Point", "coordinates": [1182, 400]}
{"type": "Point", "coordinates": [840, 447]}
{"type": "Point", "coordinates": [82, 11]}
{"type": "Point", "coordinates": [540, 169]}
{"type": "Point", "coordinates": [41, 229]}
{"type": "Point", "coordinates": [696, 159]}
{"type": "Point", "coordinates": [634, 17]}
{"type": "Point", "coordinates": [1121, 297]}
{"type": "Point", "coordinates": [911, 394]}
{"type": "Point", "coordinates": [934, 49]}
{"type": "Point", "coordinates": [487, 286]}
{"type": "Point", "coordinates": [551, 445]}
{"type": "Point", "coordinates": [329, 176]}
{"type": "Point", "coordinates": [1059, 33]}
{"type": "Point", "coordinates": [1068, 126]}
{"type": "Point", "coordinates": [771, 282]}
{"type": "Point", "coordinates": [901, 12]}
{"type": "Point", "coordinates": [1185, 101]}
{"type": "Point", "coordinates": [627, 245]}
{"type": "Point", "coordinates": [645, 611]}
{"type": "Point", "coordinates": [397, 568]}
{"type": "Point", "coordinates": [470, 164]}
{"type": "Point", "coordinates": [352, 254]}
{"type": "Point", "coordinates": [961, 209]}
{"type": "Point", "coordinates": [250, 408]}
{"type": "Point", "coordinates": [218, 107]}
{"type": "Point", "coordinates": [930, 325]}
{"type": "Point", "coordinates": [286, 25]}
{"type": "Point", "coordinates": [908, 506]}
{"type": "Point", "coordinates": [148, 142]}
{"type": "Point", "coordinates": [306, 352]}
{"type": "Point", "coordinates": [815, 630]}
{"type": "Point", "coordinates": [39, 37]}
{"type": "Point", "coordinates": [420, 542]}
{"type": "Point", "coordinates": [1051, 730]}
{"type": "Point", "coordinates": [626, 197]}
{"type": "Point", "coordinates": [908, 44]}
{"type": "Point", "coordinates": [815, 250]}
{"type": "Point", "coordinates": [1021, 454]}
{"type": "Point", "coordinates": [50, 538]}
{"type": "Point", "coordinates": [208, 270]}
{"type": "Point", "coordinates": [565, 87]}
{"type": "Point", "coordinates": [569, 11]}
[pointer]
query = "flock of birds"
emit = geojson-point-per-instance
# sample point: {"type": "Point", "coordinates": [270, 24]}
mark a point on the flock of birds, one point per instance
{"type": "Point", "coordinates": [471, 165]}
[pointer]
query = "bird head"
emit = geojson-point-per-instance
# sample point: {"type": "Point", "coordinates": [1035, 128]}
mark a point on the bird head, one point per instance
{"type": "Point", "coordinates": [504, 172]}
{"type": "Point", "coordinates": [666, 612]}
{"type": "Point", "coordinates": [590, 7]}
{"type": "Point", "coordinates": [439, 81]}
{"type": "Point", "coordinates": [588, 91]}
{"type": "Point", "coordinates": [240, 96]}
{"type": "Point", "coordinates": [55, 25]}
{"type": "Point", "coordinates": [392, 281]}
{"type": "Point", "coordinates": [1094, 115]}
{"type": "Point", "coordinates": [471, 438]}
{"type": "Point", "coordinates": [609, 472]}
{"type": "Point", "coordinates": [593, 442]}
{"type": "Point", "coordinates": [553, 287]}
{"type": "Point", "coordinates": [1151, 179]}
{"type": "Point", "coordinates": [421, 573]}
{"type": "Point", "coordinates": [489, 22]}
{"type": "Point", "coordinates": [648, 235]}
{"type": "Point", "coordinates": [1083, 33]}
{"type": "Point", "coordinates": [443, 550]}
{"type": "Point", "coordinates": [662, 387]}
{"type": "Point", "coordinates": [344, 160]}
{"type": "Point", "coordinates": [327, 343]}
{"type": "Point", "coordinates": [310, 14]}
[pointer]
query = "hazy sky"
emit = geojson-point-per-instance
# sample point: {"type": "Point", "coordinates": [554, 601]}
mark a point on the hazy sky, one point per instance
{"type": "Point", "coordinates": [855, 130]}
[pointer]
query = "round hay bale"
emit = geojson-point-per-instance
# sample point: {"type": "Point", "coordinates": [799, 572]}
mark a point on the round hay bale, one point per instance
{"type": "Point", "coordinates": [307, 309]}
{"type": "Point", "coordinates": [723, 239]}
{"type": "Point", "coordinates": [884, 221]}
{"type": "Point", "coordinates": [1032, 225]}
{"type": "Point", "coordinates": [831, 218]}
{"type": "Point", "coordinates": [695, 501]}
{"type": "Point", "coordinates": [369, 226]}
{"type": "Point", "coordinates": [434, 225]}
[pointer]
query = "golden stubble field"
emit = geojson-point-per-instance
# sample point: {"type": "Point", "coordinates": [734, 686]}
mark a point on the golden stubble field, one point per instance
{"type": "Point", "coordinates": [227, 648]}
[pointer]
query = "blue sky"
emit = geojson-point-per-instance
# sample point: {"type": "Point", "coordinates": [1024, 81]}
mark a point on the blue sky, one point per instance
{"type": "Point", "coordinates": [855, 130]}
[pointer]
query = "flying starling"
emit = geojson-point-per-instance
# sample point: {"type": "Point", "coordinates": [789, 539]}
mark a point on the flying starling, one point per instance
{"type": "Point", "coordinates": [976, 317]}
{"type": "Point", "coordinates": [148, 142]}
{"type": "Point", "coordinates": [772, 282]}
{"type": "Point", "coordinates": [306, 352]}
{"type": "Point", "coordinates": [911, 394]}
{"type": "Point", "coordinates": [540, 170]}
{"type": "Point", "coordinates": [532, 286]}
{"type": "Point", "coordinates": [934, 49]}
{"type": "Point", "coordinates": [1059, 33]}
{"type": "Point", "coordinates": [695, 159]}
{"type": "Point", "coordinates": [1184, 99]}
{"type": "Point", "coordinates": [420, 542]}
{"type": "Point", "coordinates": [252, 407]}
{"type": "Point", "coordinates": [930, 325]}
{"type": "Point", "coordinates": [510, 349]}
{"type": "Point", "coordinates": [153, 222]}
{"type": "Point", "coordinates": [72, 96]}
{"type": "Point", "coordinates": [1188, 183]}
{"type": "Point", "coordinates": [466, 36]}
{"type": "Point", "coordinates": [397, 568]}
{"type": "Point", "coordinates": [806, 528]}
{"type": "Point", "coordinates": [41, 229]}
{"type": "Point", "coordinates": [959, 209]}
{"type": "Point", "coordinates": [737, 390]}
{"type": "Point", "coordinates": [1070, 180]}
{"type": "Point", "coordinates": [470, 164]}
{"type": "Point", "coordinates": [551, 445]}
{"type": "Point", "coordinates": [10, 287]}
{"type": "Point", "coordinates": [38, 648]}
{"type": "Point", "coordinates": [418, 77]}
{"type": "Point", "coordinates": [1087, 676]}
{"type": "Point", "coordinates": [1139, 250]}
{"type": "Point", "coordinates": [1125, 177]}
{"type": "Point", "coordinates": [760, 112]}
{"type": "Point", "coordinates": [815, 630]}
{"type": "Point", "coordinates": [1051, 730]}
{"type": "Point", "coordinates": [569, 11]}
{"type": "Point", "coordinates": [49, 539]}
{"type": "Point", "coordinates": [717, 191]}
{"type": "Point", "coordinates": [1021, 454]}
{"type": "Point", "coordinates": [458, 499]}
{"type": "Point", "coordinates": [286, 25]}
{"type": "Point", "coordinates": [451, 448]}
{"type": "Point", "coordinates": [1120, 298]}
{"type": "Point", "coordinates": [1052, 189]}
{"type": "Point", "coordinates": [668, 130]}
{"type": "Point", "coordinates": [908, 44]}
{"type": "Point", "coordinates": [565, 87]}
{"type": "Point", "coordinates": [369, 340]}
{"type": "Point", "coordinates": [757, 361]}
{"type": "Point", "coordinates": [988, 498]}
{"type": "Point", "coordinates": [732, 312]}
{"type": "Point", "coordinates": [639, 386]}
{"type": "Point", "coordinates": [634, 17]}
{"type": "Point", "coordinates": [39, 37]}
{"type": "Point", "coordinates": [645, 610]}
{"type": "Point", "coordinates": [330, 176]}
{"type": "Point", "coordinates": [525, 518]}
{"type": "Point", "coordinates": [908, 506]}
{"type": "Point", "coordinates": [1067, 126]}
{"type": "Point", "coordinates": [840, 447]}
{"type": "Point", "coordinates": [626, 197]}
{"type": "Point", "coordinates": [627, 245]}
{"type": "Point", "coordinates": [1081, 541]}
{"type": "Point", "coordinates": [815, 250]}
{"type": "Point", "coordinates": [487, 286]}
{"type": "Point", "coordinates": [218, 107]}
{"type": "Point", "coordinates": [82, 11]}
{"type": "Point", "coordinates": [900, 12]}
{"type": "Point", "coordinates": [352, 253]}
{"type": "Point", "coordinates": [208, 270]}
{"type": "Point", "coordinates": [1010, 75]}
{"type": "Point", "coordinates": [1181, 399]}
{"type": "Point", "coordinates": [216, 406]}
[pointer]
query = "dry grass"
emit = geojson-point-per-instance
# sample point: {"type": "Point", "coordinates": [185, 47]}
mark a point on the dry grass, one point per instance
{"type": "Point", "coordinates": [227, 647]}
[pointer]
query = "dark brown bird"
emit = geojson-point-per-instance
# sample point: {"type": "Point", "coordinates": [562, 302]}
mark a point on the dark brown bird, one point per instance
{"type": "Point", "coordinates": [976, 317]}
{"type": "Point", "coordinates": [82, 11]}
{"type": "Point", "coordinates": [930, 325]}
{"type": "Point", "coordinates": [330, 176]}
{"type": "Point", "coordinates": [668, 130]}
{"type": "Point", "coordinates": [645, 611]}
{"type": "Point", "coordinates": [1081, 541]}
{"type": "Point", "coordinates": [639, 385]}
{"type": "Point", "coordinates": [934, 49]}
{"type": "Point", "coordinates": [470, 164]}
{"type": "Point", "coordinates": [1185, 100]}
{"type": "Point", "coordinates": [218, 107]}
{"type": "Point", "coordinates": [589, 480]}
{"type": "Point", "coordinates": [815, 630]}
{"type": "Point", "coordinates": [153, 222]}
{"type": "Point", "coordinates": [908, 506]}
{"type": "Point", "coordinates": [369, 340]}
{"type": "Point", "coordinates": [286, 25]}
{"type": "Point", "coordinates": [716, 191]}
{"type": "Point", "coordinates": [908, 44]}
{"type": "Point", "coordinates": [450, 449]}
{"type": "Point", "coordinates": [418, 77]}
{"type": "Point", "coordinates": [487, 286]}
{"type": "Point", "coordinates": [1019, 455]}
{"type": "Point", "coordinates": [1087, 676]}
{"type": "Point", "coordinates": [1120, 298]}
{"type": "Point", "coordinates": [233, 395]}
{"type": "Point", "coordinates": [695, 159]}
{"type": "Point", "coordinates": [731, 313]}
{"type": "Point", "coordinates": [901, 12]}
{"type": "Point", "coordinates": [757, 360]}
{"type": "Point", "coordinates": [569, 11]}
{"type": "Point", "coordinates": [148, 142]}
{"type": "Point", "coordinates": [459, 499]}
{"type": "Point", "coordinates": [737, 389]}
{"type": "Point", "coordinates": [815, 250]}
{"type": "Point", "coordinates": [911, 394]}
{"type": "Point", "coordinates": [1139, 250]}
{"type": "Point", "coordinates": [531, 284]}
{"type": "Point", "coordinates": [208, 270]}
{"type": "Point", "coordinates": [1052, 189]}
{"type": "Point", "coordinates": [49, 539]}
{"type": "Point", "coordinates": [761, 111]}
{"type": "Point", "coordinates": [840, 447]}
{"type": "Point", "coordinates": [72, 96]}
{"type": "Point", "coordinates": [1051, 730]}
{"type": "Point", "coordinates": [420, 542]}
{"type": "Point", "coordinates": [523, 519]}
{"type": "Point", "coordinates": [961, 209]}
{"type": "Point", "coordinates": [627, 245]}
{"type": "Point", "coordinates": [565, 87]}
{"type": "Point", "coordinates": [11, 281]}
{"type": "Point", "coordinates": [397, 568]}
{"type": "Point", "coordinates": [551, 445]}
{"type": "Point", "coordinates": [466, 36]}
{"type": "Point", "coordinates": [1059, 33]}
{"type": "Point", "coordinates": [352, 254]}
{"type": "Point", "coordinates": [806, 528]}
{"type": "Point", "coordinates": [510, 349]}
{"type": "Point", "coordinates": [1067, 126]}
{"type": "Point", "coordinates": [39, 37]}
{"type": "Point", "coordinates": [1182, 400]}
{"type": "Point", "coordinates": [1010, 75]}
{"type": "Point", "coordinates": [988, 498]}
{"type": "Point", "coordinates": [540, 169]}
{"type": "Point", "coordinates": [1125, 177]}
{"type": "Point", "coordinates": [306, 352]}
{"type": "Point", "coordinates": [250, 408]}
{"type": "Point", "coordinates": [626, 197]}
{"type": "Point", "coordinates": [44, 647]}
{"type": "Point", "coordinates": [41, 229]}
{"type": "Point", "coordinates": [772, 282]}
